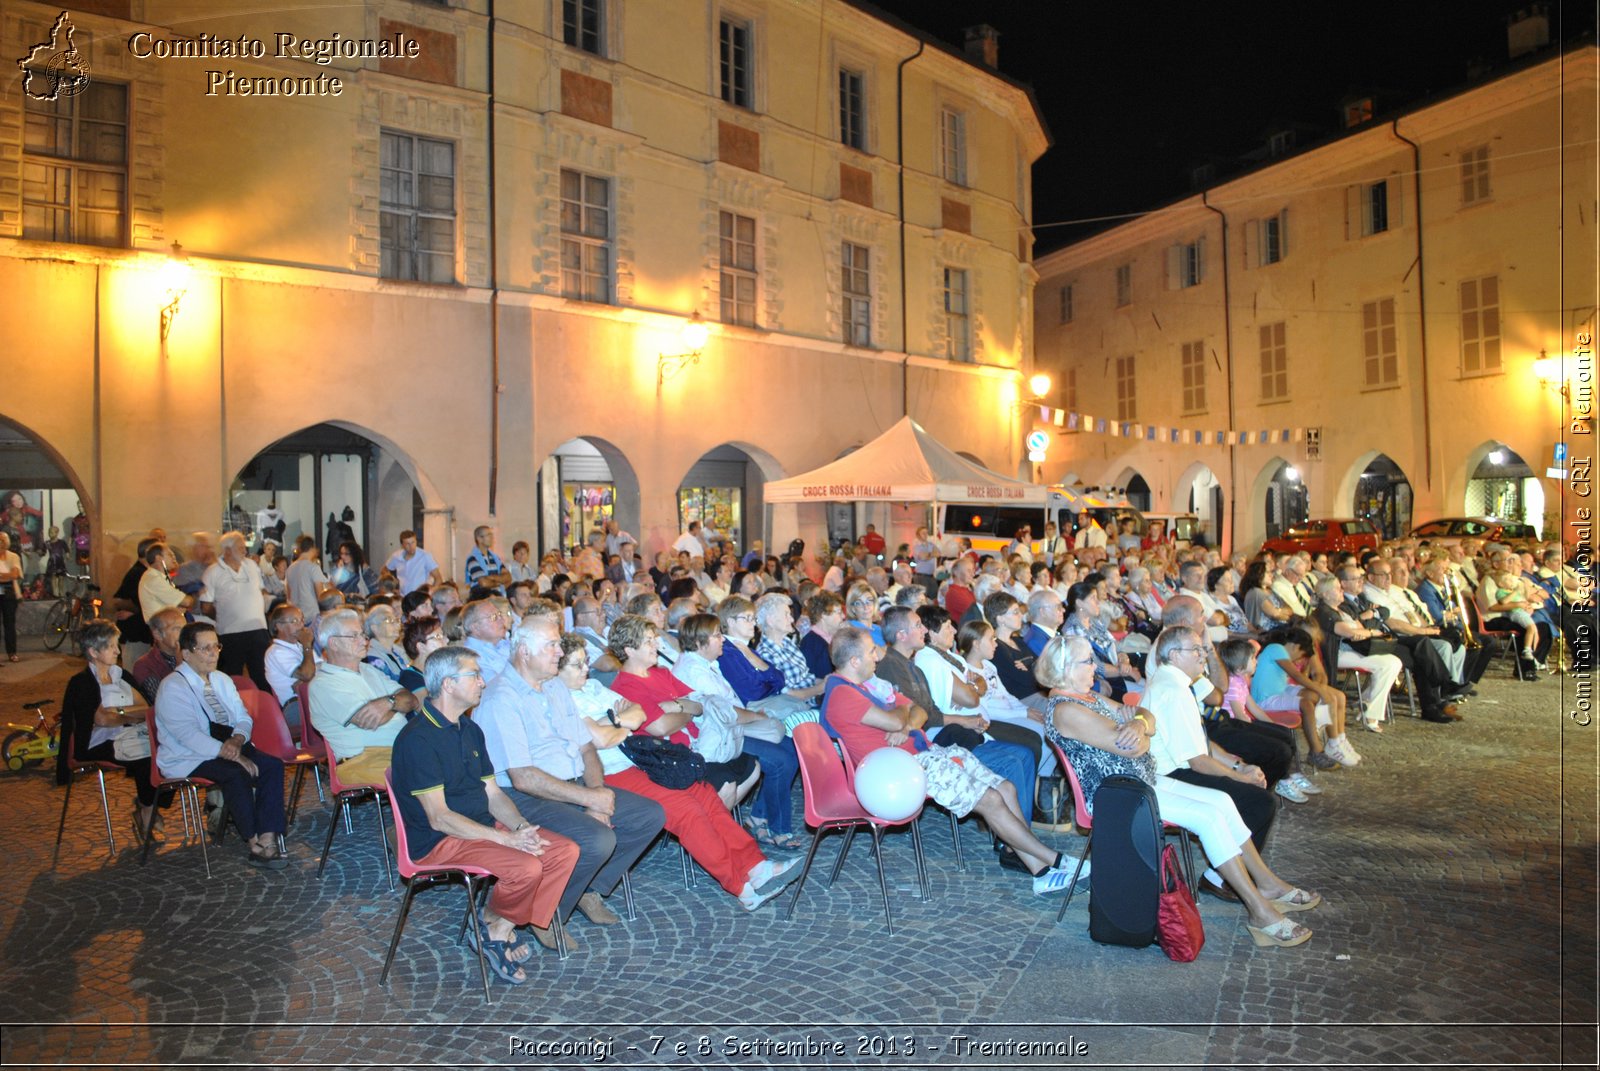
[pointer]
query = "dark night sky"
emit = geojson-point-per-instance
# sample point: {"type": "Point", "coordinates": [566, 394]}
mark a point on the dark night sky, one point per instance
{"type": "Point", "coordinates": [1136, 92]}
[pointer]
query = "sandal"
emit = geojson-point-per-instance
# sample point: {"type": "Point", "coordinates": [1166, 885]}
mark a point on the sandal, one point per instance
{"type": "Point", "coordinates": [759, 829]}
{"type": "Point", "coordinates": [1297, 900]}
{"type": "Point", "coordinates": [791, 842]}
{"type": "Point", "coordinates": [497, 954]}
{"type": "Point", "coordinates": [1281, 934]}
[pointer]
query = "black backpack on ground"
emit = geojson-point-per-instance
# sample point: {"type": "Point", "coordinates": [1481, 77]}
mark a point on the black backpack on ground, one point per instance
{"type": "Point", "coordinates": [1124, 877]}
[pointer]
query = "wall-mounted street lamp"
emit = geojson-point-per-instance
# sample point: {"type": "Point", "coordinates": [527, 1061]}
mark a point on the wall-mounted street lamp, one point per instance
{"type": "Point", "coordinates": [175, 276]}
{"type": "Point", "coordinates": [1039, 384]}
{"type": "Point", "coordinates": [693, 337]}
{"type": "Point", "coordinates": [1291, 474]}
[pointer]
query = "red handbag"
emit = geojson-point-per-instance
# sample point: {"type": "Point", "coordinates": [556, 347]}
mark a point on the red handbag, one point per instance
{"type": "Point", "coordinates": [1179, 931]}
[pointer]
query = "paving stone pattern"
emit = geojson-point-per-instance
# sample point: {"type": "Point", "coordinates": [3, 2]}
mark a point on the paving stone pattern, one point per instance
{"type": "Point", "coordinates": [1458, 928]}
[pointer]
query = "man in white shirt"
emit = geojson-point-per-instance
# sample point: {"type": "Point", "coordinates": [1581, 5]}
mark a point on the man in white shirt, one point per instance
{"type": "Point", "coordinates": [156, 589]}
{"type": "Point", "coordinates": [230, 594]}
{"type": "Point", "coordinates": [357, 709]}
{"type": "Point", "coordinates": [289, 659]}
{"type": "Point", "coordinates": [413, 566]}
{"type": "Point", "coordinates": [1287, 585]}
{"type": "Point", "coordinates": [204, 731]}
{"type": "Point", "coordinates": [1052, 547]}
{"type": "Point", "coordinates": [306, 579]}
{"type": "Point", "coordinates": [689, 541]}
{"type": "Point", "coordinates": [1192, 581]}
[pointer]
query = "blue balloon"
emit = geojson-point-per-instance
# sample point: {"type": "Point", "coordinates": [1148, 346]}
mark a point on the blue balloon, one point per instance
{"type": "Point", "coordinates": [890, 784]}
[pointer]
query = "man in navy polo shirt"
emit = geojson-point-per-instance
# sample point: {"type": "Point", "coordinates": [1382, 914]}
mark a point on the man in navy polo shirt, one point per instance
{"type": "Point", "coordinates": [454, 813]}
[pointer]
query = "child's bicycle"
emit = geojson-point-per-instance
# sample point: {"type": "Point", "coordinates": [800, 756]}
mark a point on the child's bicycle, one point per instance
{"type": "Point", "coordinates": [72, 612]}
{"type": "Point", "coordinates": [26, 744]}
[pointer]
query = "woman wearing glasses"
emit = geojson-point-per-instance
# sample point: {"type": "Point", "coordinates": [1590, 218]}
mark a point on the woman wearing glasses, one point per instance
{"type": "Point", "coordinates": [1101, 738]}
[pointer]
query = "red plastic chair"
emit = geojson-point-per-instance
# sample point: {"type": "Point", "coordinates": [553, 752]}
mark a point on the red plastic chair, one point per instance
{"type": "Point", "coordinates": [74, 768]}
{"type": "Point", "coordinates": [243, 682]}
{"type": "Point", "coordinates": [831, 804]}
{"type": "Point", "coordinates": [310, 740]}
{"type": "Point", "coordinates": [418, 876]}
{"type": "Point", "coordinates": [270, 734]}
{"type": "Point", "coordinates": [1080, 814]}
{"type": "Point", "coordinates": [850, 779]}
{"type": "Point", "coordinates": [344, 796]}
{"type": "Point", "coordinates": [188, 789]}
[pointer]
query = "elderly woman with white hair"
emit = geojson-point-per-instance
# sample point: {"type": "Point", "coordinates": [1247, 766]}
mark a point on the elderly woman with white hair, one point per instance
{"type": "Point", "coordinates": [778, 648]}
{"type": "Point", "coordinates": [985, 585]}
{"type": "Point", "coordinates": [384, 652]}
{"type": "Point", "coordinates": [1101, 738]}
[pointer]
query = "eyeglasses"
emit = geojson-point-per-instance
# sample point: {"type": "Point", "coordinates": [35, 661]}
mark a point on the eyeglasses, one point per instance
{"type": "Point", "coordinates": [1188, 650]}
{"type": "Point", "coordinates": [744, 617]}
{"type": "Point", "coordinates": [207, 648]}
{"type": "Point", "coordinates": [465, 676]}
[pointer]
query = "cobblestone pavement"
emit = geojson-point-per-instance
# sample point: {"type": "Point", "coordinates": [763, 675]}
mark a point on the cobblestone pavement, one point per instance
{"type": "Point", "coordinates": [1458, 866]}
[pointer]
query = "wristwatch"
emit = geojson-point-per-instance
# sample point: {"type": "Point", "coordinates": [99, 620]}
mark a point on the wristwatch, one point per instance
{"type": "Point", "coordinates": [611, 716]}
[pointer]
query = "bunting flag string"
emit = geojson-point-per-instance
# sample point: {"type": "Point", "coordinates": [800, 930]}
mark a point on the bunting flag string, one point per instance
{"type": "Point", "coordinates": [1156, 433]}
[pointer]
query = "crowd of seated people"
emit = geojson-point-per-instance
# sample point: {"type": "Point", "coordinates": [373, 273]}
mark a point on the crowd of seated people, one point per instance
{"type": "Point", "coordinates": [1216, 681]}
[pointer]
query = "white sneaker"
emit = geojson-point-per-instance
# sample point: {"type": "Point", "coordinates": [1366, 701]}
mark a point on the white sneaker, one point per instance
{"type": "Point", "coordinates": [1286, 788]}
{"type": "Point", "coordinates": [1305, 784]}
{"type": "Point", "coordinates": [1340, 752]}
{"type": "Point", "coordinates": [1057, 879]}
{"type": "Point", "coordinates": [1350, 750]}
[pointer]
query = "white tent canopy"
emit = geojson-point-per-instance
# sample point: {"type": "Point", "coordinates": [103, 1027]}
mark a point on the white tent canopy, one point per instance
{"type": "Point", "coordinates": [905, 464]}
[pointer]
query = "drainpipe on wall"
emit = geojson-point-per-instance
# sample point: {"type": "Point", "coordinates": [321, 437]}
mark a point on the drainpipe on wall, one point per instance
{"type": "Point", "coordinates": [1422, 308]}
{"type": "Point", "coordinates": [494, 301]}
{"type": "Point", "coordinates": [900, 161]}
{"type": "Point", "coordinates": [1227, 349]}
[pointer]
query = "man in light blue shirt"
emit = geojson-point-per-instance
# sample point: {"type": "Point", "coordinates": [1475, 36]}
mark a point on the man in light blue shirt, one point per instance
{"type": "Point", "coordinates": [546, 762]}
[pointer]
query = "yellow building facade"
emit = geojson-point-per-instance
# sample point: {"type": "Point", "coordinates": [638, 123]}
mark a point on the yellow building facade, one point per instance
{"type": "Point", "coordinates": [487, 242]}
{"type": "Point", "coordinates": [1407, 300]}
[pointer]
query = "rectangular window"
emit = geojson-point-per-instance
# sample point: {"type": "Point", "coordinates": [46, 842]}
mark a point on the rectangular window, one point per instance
{"type": "Point", "coordinates": [583, 25]}
{"type": "Point", "coordinates": [1125, 285]}
{"type": "Point", "coordinates": [1193, 365]}
{"type": "Point", "coordinates": [1380, 348]}
{"type": "Point", "coordinates": [585, 237]}
{"type": "Point", "coordinates": [1274, 234]}
{"type": "Point", "coordinates": [737, 63]}
{"type": "Point", "coordinates": [1375, 208]}
{"type": "Point", "coordinates": [1480, 325]}
{"type": "Point", "coordinates": [953, 146]}
{"type": "Point", "coordinates": [852, 109]}
{"type": "Point", "coordinates": [1186, 264]}
{"type": "Point", "coordinates": [738, 269]}
{"type": "Point", "coordinates": [1475, 175]}
{"type": "Point", "coordinates": [856, 281]}
{"type": "Point", "coordinates": [1066, 304]}
{"type": "Point", "coordinates": [75, 166]}
{"type": "Point", "coordinates": [417, 214]}
{"type": "Point", "coordinates": [1125, 393]}
{"type": "Point", "coordinates": [1274, 363]}
{"type": "Point", "coordinates": [957, 316]}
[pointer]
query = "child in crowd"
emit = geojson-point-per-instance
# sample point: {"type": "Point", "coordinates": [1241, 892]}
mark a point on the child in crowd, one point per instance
{"type": "Point", "coordinates": [1239, 657]}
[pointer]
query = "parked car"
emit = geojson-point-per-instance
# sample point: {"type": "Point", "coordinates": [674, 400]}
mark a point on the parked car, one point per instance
{"type": "Point", "coordinates": [1333, 535]}
{"type": "Point", "coordinates": [1448, 530]}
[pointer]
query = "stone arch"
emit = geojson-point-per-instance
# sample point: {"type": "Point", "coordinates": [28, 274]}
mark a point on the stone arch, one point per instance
{"type": "Point", "coordinates": [1276, 499]}
{"type": "Point", "coordinates": [36, 469]}
{"type": "Point", "coordinates": [1376, 488]}
{"type": "Point", "coordinates": [1193, 492]}
{"type": "Point", "coordinates": [1134, 487]}
{"type": "Point", "coordinates": [1504, 486]}
{"type": "Point", "coordinates": [590, 467]}
{"type": "Point", "coordinates": [387, 492]}
{"type": "Point", "coordinates": [715, 492]}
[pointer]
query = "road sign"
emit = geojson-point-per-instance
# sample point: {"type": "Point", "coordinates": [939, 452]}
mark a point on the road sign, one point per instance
{"type": "Point", "coordinates": [1038, 441]}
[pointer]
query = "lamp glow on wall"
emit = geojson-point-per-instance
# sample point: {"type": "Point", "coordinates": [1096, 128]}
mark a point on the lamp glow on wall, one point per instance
{"type": "Point", "coordinates": [693, 336]}
{"type": "Point", "coordinates": [1552, 376]}
{"type": "Point", "coordinates": [1039, 384]}
{"type": "Point", "coordinates": [175, 276]}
